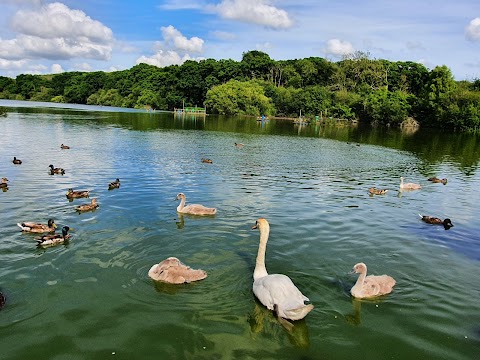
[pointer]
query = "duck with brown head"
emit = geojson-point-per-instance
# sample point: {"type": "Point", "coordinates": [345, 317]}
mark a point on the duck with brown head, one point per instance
{"type": "Point", "coordinates": [447, 223]}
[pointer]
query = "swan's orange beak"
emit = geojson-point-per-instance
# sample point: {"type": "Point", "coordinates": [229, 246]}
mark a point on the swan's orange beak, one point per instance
{"type": "Point", "coordinates": [255, 226]}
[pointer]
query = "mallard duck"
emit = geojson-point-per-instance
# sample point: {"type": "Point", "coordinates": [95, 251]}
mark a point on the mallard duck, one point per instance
{"type": "Point", "coordinates": [54, 239]}
{"type": "Point", "coordinates": [447, 223]}
{"type": "Point", "coordinates": [208, 161]}
{"type": "Point", "coordinates": [375, 191]}
{"type": "Point", "coordinates": [370, 286]}
{"type": "Point", "coordinates": [114, 184]}
{"type": "Point", "coordinates": [76, 194]}
{"type": "Point", "coordinates": [64, 147]}
{"type": "Point", "coordinates": [193, 209]}
{"type": "Point", "coordinates": [437, 180]}
{"type": "Point", "coordinates": [54, 170]}
{"type": "Point", "coordinates": [4, 183]}
{"type": "Point", "coordinates": [408, 186]}
{"type": "Point", "coordinates": [38, 228]}
{"type": "Point", "coordinates": [16, 161]}
{"type": "Point", "coordinates": [239, 145]}
{"type": "Point", "coordinates": [173, 271]}
{"type": "Point", "coordinates": [276, 291]}
{"type": "Point", "coordinates": [88, 207]}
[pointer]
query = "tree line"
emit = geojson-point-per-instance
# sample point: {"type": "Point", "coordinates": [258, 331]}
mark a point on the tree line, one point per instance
{"type": "Point", "coordinates": [357, 87]}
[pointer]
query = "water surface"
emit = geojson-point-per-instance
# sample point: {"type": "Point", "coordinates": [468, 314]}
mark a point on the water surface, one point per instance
{"type": "Point", "coordinates": [92, 298]}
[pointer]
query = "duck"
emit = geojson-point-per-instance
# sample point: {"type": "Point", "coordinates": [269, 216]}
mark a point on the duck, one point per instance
{"type": "Point", "coordinates": [208, 161]}
{"type": "Point", "coordinates": [409, 186]}
{"type": "Point", "coordinates": [370, 286]}
{"type": "Point", "coordinates": [54, 170]}
{"type": "Point", "coordinates": [173, 271]}
{"type": "Point", "coordinates": [54, 239]}
{"type": "Point", "coordinates": [88, 207]}
{"type": "Point", "coordinates": [3, 300]}
{"type": "Point", "coordinates": [64, 147]}
{"type": "Point", "coordinates": [16, 161]}
{"type": "Point", "coordinates": [114, 184]}
{"type": "Point", "coordinates": [76, 194]}
{"type": "Point", "coordinates": [239, 145]}
{"type": "Point", "coordinates": [37, 227]}
{"type": "Point", "coordinates": [437, 180]}
{"type": "Point", "coordinates": [193, 209]}
{"type": "Point", "coordinates": [276, 292]}
{"type": "Point", "coordinates": [4, 183]}
{"type": "Point", "coordinates": [375, 191]}
{"type": "Point", "coordinates": [447, 223]}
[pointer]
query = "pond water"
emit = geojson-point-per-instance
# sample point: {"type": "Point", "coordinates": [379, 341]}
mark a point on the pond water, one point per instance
{"type": "Point", "coordinates": [92, 298]}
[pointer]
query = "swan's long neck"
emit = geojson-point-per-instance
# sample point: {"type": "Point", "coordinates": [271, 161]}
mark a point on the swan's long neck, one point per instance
{"type": "Point", "coordinates": [260, 269]}
{"type": "Point", "coordinates": [361, 279]}
{"type": "Point", "coordinates": [182, 204]}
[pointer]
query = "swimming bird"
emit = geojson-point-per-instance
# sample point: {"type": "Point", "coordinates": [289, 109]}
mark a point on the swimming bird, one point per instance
{"type": "Point", "coordinates": [375, 191]}
{"type": "Point", "coordinates": [447, 223]}
{"type": "Point", "coordinates": [54, 170]}
{"type": "Point", "coordinates": [54, 239]}
{"type": "Point", "coordinates": [64, 147]}
{"type": "Point", "coordinates": [193, 209]}
{"type": "Point", "coordinates": [173, 271]}
{"type": "Point", "coordinates": [239, 145]}
{"type": "Point", "coordinates": [76, 194]}
{"type": "Point", "coordinates": [4, 183]}
{"type": "Point", "coordinates": [370, 286]}
{"type": "Point", "coordinates": [88, 207]}
{"type": "Point", "coordinates": [208, 161]}
{"type": "Point", "coordinates": [16, 161]}
{"type": "Point", "coordinates": [437, 180]}
{"type": "Point", "coordinates": [114, 184]}
{"type": "Point", "coordinates": [408, 186]}
{"type": "Point", "coordinates": [3, 300]}
{"type": "Point", "coordinates": [37, 227]}
{"type": "Point", "coordinates": [276, 291]}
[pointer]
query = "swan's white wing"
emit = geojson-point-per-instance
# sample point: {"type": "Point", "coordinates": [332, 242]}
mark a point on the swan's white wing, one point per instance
{"type": "Point", "coordinates": [278, 289]}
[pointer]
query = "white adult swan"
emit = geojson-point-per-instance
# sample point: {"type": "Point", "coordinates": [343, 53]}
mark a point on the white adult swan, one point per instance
{"type": "Point", "coordinates": [193, 209]}
{"type": "Point", "coordinates": [276, 291]}
{"type": "Point", "coordinates": [408, 186]}
{"type": "Point", "coordinates": [370, 286]}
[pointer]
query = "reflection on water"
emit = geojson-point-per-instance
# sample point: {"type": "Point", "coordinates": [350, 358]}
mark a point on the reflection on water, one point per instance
{"type": "Point", "coordinates": [311, 182]}
{"type": "Point", "coordinates": [263, 321]}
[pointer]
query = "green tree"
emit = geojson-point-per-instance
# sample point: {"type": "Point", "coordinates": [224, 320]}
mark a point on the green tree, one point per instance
{"type": "Point", "coordinates": [437, 97]}
{"type": "Point", "coordinates": [384, 107]}
{"type": "Point", "coordinates": [239, 98]}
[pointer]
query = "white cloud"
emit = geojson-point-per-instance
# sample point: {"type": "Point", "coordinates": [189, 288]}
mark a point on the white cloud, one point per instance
{"type": "Point", "coordinates": [174, 50]}
{"type": "Point", "coordinates": [57, 69]}
{"type": "Point", "coordinates": [57, 32]}
{"type": "Point", "coordinates": [253, 11]}
{"type": "Point", "coordinates": [10, 65]}
{"type": "Point", "coordinates": [472, 31]}
{"type": "Point", "coordinates": [83, 67]}
{"type": "Point", "coordinates": [166, 58]}
{"type": "Point", "coordinates": [338, 48]}
{"type": "Point", "coordinates": [174, 37]}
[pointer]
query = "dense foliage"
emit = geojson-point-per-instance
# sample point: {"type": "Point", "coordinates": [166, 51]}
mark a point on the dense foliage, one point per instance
{"type": "Point", "coordinates": [356, 87]}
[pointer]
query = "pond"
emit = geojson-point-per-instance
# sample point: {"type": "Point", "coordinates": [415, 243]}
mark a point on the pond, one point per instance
{"type": "Point", "coordinates": [92, 297]}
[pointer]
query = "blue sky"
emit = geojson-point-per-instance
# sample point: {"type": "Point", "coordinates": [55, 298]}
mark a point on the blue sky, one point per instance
{"type": "Point", "coordinates": [44, 37]}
